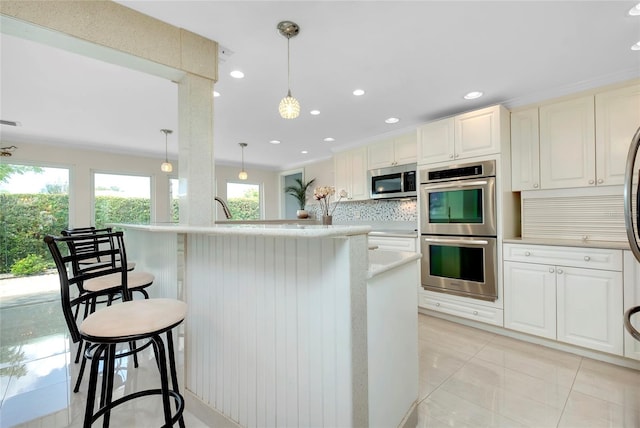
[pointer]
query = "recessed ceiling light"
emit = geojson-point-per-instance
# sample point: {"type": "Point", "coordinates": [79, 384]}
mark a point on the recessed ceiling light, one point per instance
{"type": "Point", "coordinates": [329, 140]}
{"type": "Point", "coordinates": [635, 10]}
{"type": "Point", "coordinates": [304, 152]}
{"type": "Point", "coordinates": [216, 94]}
{"type": "Point", "coordinates": [314, 112]}
{"type": "Point", "coordinates": [237, 74]}
{"type": "Point", "coordinates": [636, 47]}
{"type": "Point", "coordinates": [473, 95]}
{"type": "Point", "coordinates": [275, 141]}
{"type": "Point", "coordinates": [358, 92]}
{"type": "Point", "coordinates": [392, 120]}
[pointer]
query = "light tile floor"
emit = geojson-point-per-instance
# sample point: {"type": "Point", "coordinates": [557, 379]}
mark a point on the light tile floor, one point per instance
{"type": "Point", "coordinates": [468, 378]}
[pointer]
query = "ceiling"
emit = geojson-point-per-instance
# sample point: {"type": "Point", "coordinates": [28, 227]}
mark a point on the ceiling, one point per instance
{"type": "Point", "coordinates": [414, 59]}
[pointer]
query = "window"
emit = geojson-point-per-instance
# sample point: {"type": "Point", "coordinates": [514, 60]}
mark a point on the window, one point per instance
{"type": "Point", "coordinates": [174, 200]}
{"type": "Point", "coordinates": [121, 199]}
{"type": "Point", "coordinates": [244, 201]}
{"type": "Point", "coordinates": [34, 202]}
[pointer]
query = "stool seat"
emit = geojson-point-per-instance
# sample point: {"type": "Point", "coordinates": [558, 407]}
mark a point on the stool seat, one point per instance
{"type": "Point", "coordinates": [133, 318]}
{"type": "Point", "coordinates": [134, 280]}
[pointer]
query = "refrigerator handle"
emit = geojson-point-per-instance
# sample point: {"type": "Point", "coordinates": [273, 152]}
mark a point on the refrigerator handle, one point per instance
{"type": "Point", "coordinates": [632, 235]}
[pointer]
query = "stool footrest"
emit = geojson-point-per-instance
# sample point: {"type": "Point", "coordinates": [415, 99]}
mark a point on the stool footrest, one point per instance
{"type": "Point", "coordinates": [179, 400]}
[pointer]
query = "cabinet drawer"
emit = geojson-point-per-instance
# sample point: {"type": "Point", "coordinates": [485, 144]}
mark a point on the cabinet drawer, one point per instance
{"type": "Point", "coordinates": [485, 314]}
{"type": "Point", "coordinates": [590, 258]}
{"type": "Point", "coordinates": [393, 243]}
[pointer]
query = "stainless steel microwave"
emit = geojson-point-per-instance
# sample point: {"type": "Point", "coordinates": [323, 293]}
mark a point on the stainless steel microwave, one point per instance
{"type": "Point", "coordinates": [393, 182]}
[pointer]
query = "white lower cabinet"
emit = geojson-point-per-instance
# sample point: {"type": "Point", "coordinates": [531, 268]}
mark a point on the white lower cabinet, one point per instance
{"type": "Point", "coordinates": [631, 299]}
{"type": "Point", "coordinates": [530, 298]}
{"type": "Point", "coordinates": [565, 301]}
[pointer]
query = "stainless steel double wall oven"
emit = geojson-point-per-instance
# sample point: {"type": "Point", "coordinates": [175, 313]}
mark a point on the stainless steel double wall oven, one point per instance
{"type": "Point", "coordinates": [458, 229]}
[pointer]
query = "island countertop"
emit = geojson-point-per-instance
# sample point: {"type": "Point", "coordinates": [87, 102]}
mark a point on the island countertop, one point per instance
{"type": "Point", "coordinates": [272, 230]}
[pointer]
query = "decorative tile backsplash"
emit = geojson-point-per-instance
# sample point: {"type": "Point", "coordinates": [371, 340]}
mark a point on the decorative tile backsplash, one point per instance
{"type": "Point", "coordinates": [371, 210]}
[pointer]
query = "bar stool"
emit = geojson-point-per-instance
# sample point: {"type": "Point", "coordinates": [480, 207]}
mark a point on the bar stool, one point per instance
{"type": "Point", "coordinates": [130, 320]}
{"type": "Point", "coordinates": [107, 285]}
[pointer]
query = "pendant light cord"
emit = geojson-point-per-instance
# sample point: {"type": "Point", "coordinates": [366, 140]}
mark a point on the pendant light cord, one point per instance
{"type": "Point", "coordinates": [288, 66]}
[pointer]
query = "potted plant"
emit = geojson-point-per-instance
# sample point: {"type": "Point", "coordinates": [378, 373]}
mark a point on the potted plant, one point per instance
{"type": "Point", "coordinates": [299, 191]}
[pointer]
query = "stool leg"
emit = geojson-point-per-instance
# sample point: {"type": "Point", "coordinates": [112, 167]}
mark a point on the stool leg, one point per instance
{"type": "Point", "coordinates": [164, 382]}
{"type": "Point", "coordinates": [91, 393]}
{"type": "Point", "coordinates": [82, 366]}
{"type": "Point", "coordinates": [174, 374]}
{"type": "Point", "coordinates": [109, 371]}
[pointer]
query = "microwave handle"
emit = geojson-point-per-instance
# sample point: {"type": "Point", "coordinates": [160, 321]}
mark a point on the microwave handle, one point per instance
{"type": "Point", "coordinates": [455, 184]}
{"type": "Point", "coordinates": [456, 241]}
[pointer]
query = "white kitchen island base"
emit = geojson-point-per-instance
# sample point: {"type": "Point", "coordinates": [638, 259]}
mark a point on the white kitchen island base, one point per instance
{"type": "Point", "coordinates": [289, 326]}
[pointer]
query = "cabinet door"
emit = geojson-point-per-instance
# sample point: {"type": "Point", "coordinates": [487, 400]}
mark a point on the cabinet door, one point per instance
{"type": "Point", "coordinates": [477, 133]}
{"type": "Point", "coordinates": [381, 154]}
{"type": "Point", "coordinates": [435, 141]}
{"type": "Point", "coordinates": [406, 149]}
{"type": "Point", "coordinates": [342, 172]}
{"type": "Point", "coordinates": [617, 120]}
{"type": "Point", "coordinates": [359, 185]}
{"type": "Point", "coordinates": [525, 150]}
{"type": "Point", "coordinates": [351, 173]}
{"type": "Point", "coordinates": [530, 298]}
{"type": "Point", "coordinates": [567, 144]}
{"type": "Point", "coordinates": [631, 299]}
{"type": "Point", "coordinates": [590, 308]}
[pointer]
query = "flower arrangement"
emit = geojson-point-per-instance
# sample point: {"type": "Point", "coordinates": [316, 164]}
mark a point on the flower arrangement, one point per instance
{"type": "Point", "coordinates": [323, 195]}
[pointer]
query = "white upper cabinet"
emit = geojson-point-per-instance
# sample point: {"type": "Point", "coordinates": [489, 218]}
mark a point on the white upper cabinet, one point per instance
{"type": "Point", "coordinates": [525, 150]}
{"type": "Point", "coordinates": [467, 135]}
{"type": "Point", "coordinates": [581, 142]}
{"type": "Point", "coordinates": [396, 151]}
{"type": "Point", "coordinates": [435, 141]}
{"type": "Point", "coordinates": [617, 120]}
{"type": "Point", "coordinates": [351, 173]}
{"type": "Point", "coordinates": [567, 144]}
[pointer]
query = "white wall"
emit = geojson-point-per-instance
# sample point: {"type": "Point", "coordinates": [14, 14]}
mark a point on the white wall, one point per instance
{"type": "Point", "coordinates": [82, 163]}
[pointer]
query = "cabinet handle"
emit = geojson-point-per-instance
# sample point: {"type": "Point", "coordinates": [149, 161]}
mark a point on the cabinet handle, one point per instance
{"type": "Point", "coordinates": [475, 312]}
{"type": "Point", "coordinates": [560, 271]}
{"type": "Point", "coordinates": [600, 181]}
{"type": "Point", "coordinates": [456, 155]}
{"type": "Point", "coordinates": [591, 181]}
{"type": "Point", "coordinates": [450, 156]}
{"type": "Point", "coordinates": [550, 270]}
{"type": "Point", "coordinates": [535, 186]}
{"type": "Point", "coordinates": [438, 304]}
{"type": "Point", "coordinates": [587, 258]}
{"type": "Point", "coordinates": [527, 253]}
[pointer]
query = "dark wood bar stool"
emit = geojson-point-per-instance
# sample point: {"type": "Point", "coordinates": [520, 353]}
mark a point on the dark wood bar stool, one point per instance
{"type": "Point", "coordinates": [145, 320]}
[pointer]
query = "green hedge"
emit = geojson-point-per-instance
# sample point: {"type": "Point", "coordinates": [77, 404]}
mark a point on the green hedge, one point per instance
{"type": "Point", "coordinates": [26, 218]}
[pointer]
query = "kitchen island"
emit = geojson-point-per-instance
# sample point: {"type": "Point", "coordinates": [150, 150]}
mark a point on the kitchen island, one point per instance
{"type": "Point", "coordinates": [290, 325]}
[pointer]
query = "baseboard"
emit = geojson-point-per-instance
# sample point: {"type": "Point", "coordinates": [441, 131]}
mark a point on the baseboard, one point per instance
{"type": "Point", "coordinates": [205, 413]}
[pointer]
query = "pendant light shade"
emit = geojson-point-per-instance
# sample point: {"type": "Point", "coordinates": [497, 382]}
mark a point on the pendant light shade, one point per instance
{"type": "Point", "coordinates": [289, 107]}
{"type": "Point", "coordinates": [166, 165]}
{"type": "Point", "coordinates": [243, 174]}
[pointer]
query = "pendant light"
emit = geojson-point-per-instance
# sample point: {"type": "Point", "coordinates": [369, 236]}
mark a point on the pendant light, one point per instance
{"type": "Point", "coordinates": [166, 165]}
{"type": "Point", "coordinates": [243, 174]}
{"type": "Point", "coordinates": [289, 107]}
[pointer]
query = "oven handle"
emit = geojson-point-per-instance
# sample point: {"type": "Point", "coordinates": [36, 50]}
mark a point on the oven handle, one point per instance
{"type": "Point", "coordinates": [457, 241]}
{"type": "Point", "coordinates": [455, 184]}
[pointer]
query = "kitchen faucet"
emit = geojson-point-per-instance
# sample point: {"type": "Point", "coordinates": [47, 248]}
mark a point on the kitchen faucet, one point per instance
{"type": "Point", "coordinates": [225, 208]}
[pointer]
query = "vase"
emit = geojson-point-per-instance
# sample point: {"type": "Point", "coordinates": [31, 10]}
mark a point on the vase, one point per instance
{"type": "Point", "coordinates": [327, 220]}
{"type": "Point", "coordinates": [302, 214]}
